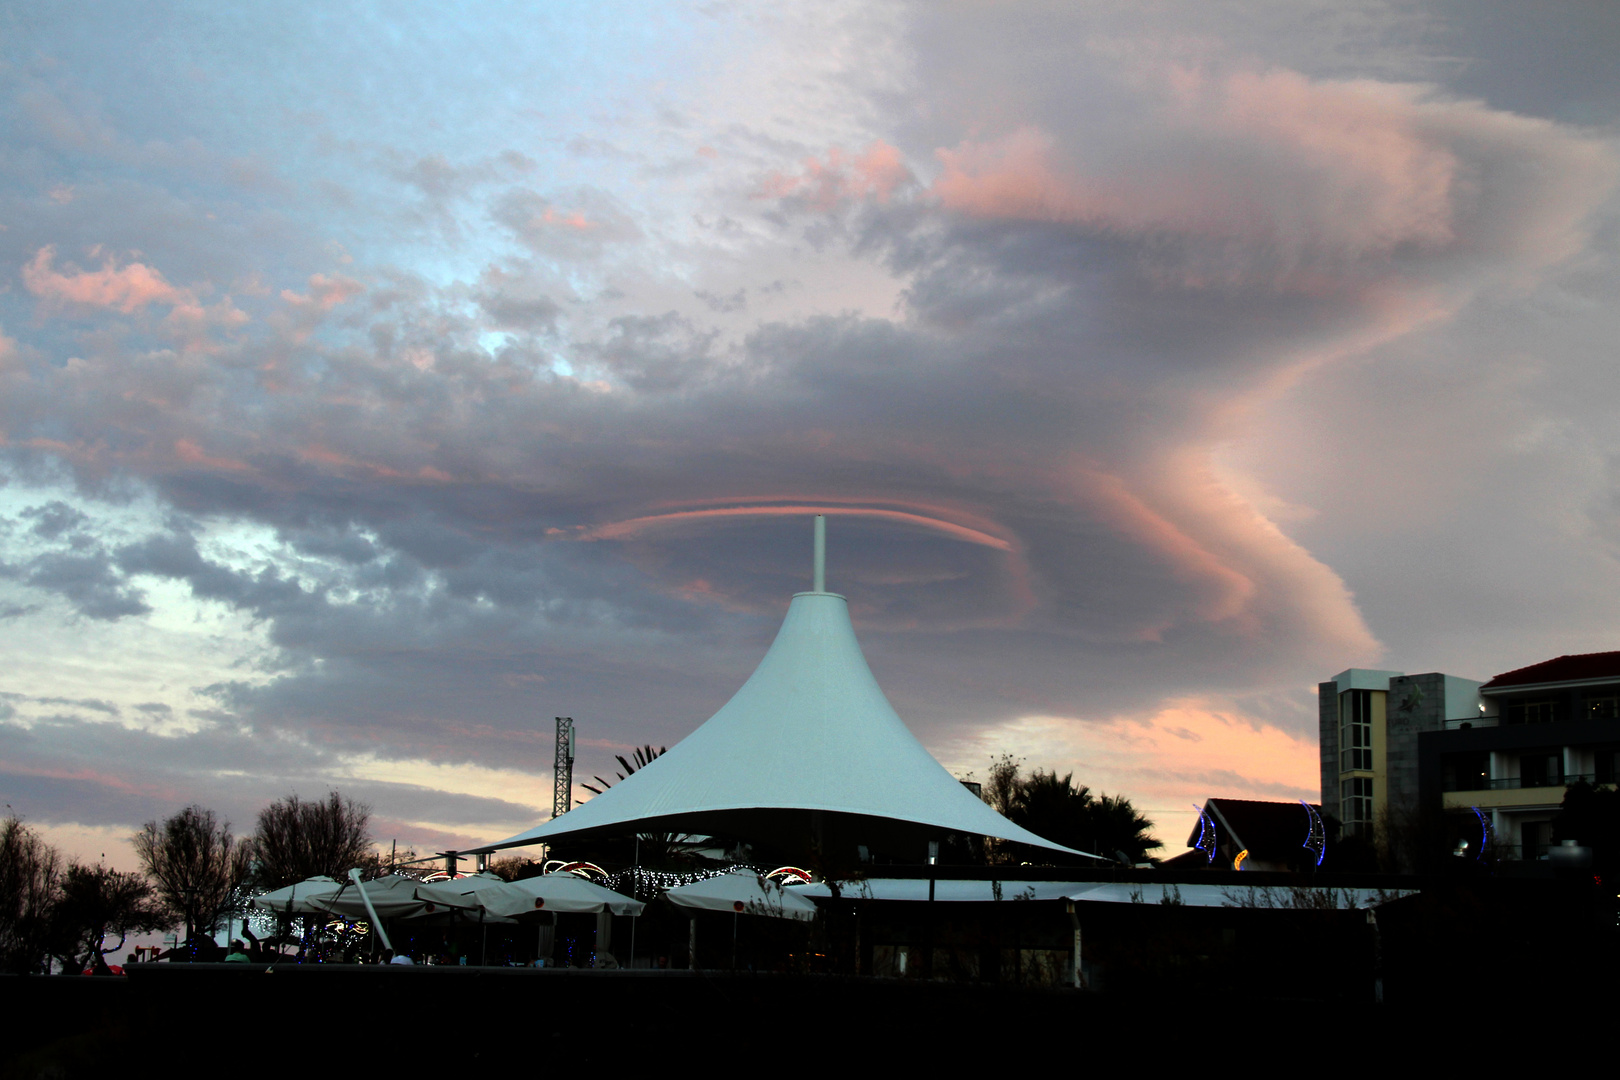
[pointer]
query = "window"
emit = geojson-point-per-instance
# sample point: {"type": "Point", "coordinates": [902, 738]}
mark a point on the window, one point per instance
{"type": "Point", "coordinates": [1603, 708]}
{"type": "Point", "coordinates": [1606, 761]}
{"type": "Point", "coordinates": [1530, 712]}
{"type": "Point", "coordinates": [1542, 768]}
{"type": "Point", "coordinates": [1466, 772]}
{"type": "Point", "coordinates": [1355, 804]}
{"type": "Point", "coordinates": [1355, 731]}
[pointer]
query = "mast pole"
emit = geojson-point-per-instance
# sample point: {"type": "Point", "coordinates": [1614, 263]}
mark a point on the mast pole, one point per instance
{"type": "Point", "coordinates": [820, 577]}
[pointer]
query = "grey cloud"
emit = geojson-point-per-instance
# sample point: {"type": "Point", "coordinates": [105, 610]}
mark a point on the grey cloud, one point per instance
{"type": "Point", "coordinates": [65, 770]}
{"type": "Point", "coordinates": [87, 581]}
{"type": "Point", "coordinates": [515, 300]}
{"type": "Point", "coordinates": [54, 518]}
{"type": "Point", "coordinates": [579, 225]}
{"type": "Point", "coordinates": [725, 305]}
{"type": "Point", "coordinates": [1069, 382]}
{"type": "Point", "coordinates": [93, 704]}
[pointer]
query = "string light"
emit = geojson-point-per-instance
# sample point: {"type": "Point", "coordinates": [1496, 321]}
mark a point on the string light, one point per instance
{"type": "Point", "coordinates": [1484, 833]}
{"type": "Point", "coordinates": [1206, 834]}
{"type": "Point", "coordinates": [1316, 835]}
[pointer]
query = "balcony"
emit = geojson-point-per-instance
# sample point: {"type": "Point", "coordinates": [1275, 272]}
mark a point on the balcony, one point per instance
{"type": "Point", "coordinates": [1508, 783]}
{"type": "Point", "coordinates": [1513, 783]}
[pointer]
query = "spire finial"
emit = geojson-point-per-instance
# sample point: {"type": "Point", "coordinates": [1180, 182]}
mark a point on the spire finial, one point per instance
{"type": "Point", "coordinates": [819, 579]}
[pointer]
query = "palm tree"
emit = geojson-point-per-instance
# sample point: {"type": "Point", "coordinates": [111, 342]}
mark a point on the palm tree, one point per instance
{"type": "Point", "coordinates": [1053, 806]}
{"type": "Point", "coordinates": [643, 757]}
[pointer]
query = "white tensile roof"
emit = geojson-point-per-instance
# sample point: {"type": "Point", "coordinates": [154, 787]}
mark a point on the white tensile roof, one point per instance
{"type": "Point", "coordinates": [809, 731]}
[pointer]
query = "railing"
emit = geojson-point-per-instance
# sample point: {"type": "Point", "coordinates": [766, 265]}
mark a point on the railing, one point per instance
{"type": "Point", "coordinates": [1511, 782]}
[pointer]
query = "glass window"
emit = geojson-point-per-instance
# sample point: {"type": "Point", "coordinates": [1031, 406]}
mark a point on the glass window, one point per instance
{"type": "Point", "coordinates": [1355, 730]}
{"type": "Point", "coordinates": [1603, 708]}
{"type": "Point", "coordinates": [1543, 768]}
{"type": "Point", "coordinates": [1531, 712]}
{"type": "Point", "coordinates": [1355, 804]}
{"type": "Point", "coordinates": [1466, 772]}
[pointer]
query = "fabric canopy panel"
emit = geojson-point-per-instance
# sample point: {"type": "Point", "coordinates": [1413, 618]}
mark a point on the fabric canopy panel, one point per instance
{"type": "Point", "coordinates": [808, 745]}
{"type": "Point", "coordinates": [466, 894]}
{"type": "Point", "coordinates": [944, 891]}
{"type": "Point", "coordinates": [1189, 894]}
{"type": "Point", "coordinates": [392, 896]}
{"type": "Point", "coordinates": [297, 899]}
{"type": "Point", "coordinates": [743, 893]}
{"type": "Point", "coordinates": [562, 893]}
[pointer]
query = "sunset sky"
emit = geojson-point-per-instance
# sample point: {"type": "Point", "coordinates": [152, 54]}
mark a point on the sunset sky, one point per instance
{"type": "Point", "coordinates": [378, 382]}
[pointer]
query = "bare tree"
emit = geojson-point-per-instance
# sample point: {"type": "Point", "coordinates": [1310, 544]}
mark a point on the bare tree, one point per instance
{"type": "Point", "coordinates": [298, 839]}
{"type": "Point", "coordinates": [194, 864]}
{"type": "Point", "coordinates": [30, 880]}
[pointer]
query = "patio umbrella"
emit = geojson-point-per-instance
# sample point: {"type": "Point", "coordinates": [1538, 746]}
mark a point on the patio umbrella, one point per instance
{"type": "Point", "coordinates": [743, 892]}
{"type": "Point", "coordinates": [391, 897]}
{"type": "Point", "coordinates": [556, 893]}
{"type": "Point", "coordinates": [462, 892]}
{"type": "Point", "coordinates": [297, 899]}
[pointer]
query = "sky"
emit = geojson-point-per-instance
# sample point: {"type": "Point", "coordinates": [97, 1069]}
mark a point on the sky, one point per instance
{"type": "Point", "coordinates": [378, 382]}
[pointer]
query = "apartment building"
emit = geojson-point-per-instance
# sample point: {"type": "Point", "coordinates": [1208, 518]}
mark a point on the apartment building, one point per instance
{"type": "Point", "coordinates": [1543, 728]}
{"type": "Point", "coordinates": [1370, 723]}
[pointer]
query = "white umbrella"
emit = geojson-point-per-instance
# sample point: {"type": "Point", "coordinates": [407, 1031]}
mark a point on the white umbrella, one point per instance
{"type": "Point", "coordinates": [743, 892]}
{"type": "Point", "coordinates": [297, 899]}
{"type": "Point", "coordinates": [390, 897]}
{"type": "Point", "coordinates": [469, 893]}
{"type": "Point", "coordinates": [562, 893]}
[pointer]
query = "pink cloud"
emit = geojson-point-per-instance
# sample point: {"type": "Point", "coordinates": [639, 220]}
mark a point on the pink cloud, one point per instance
{"type": "Point", "coordinates": [189, 452]}
{"type": "Point", "coordinates": [122, 288]}
{"type": "Point", "coordinates": [325, 293]}
{"type": "Point", "coordinates": [1273, 178]}
{"type": "Point", "coordinates": [619, 530]}
{"type": "Point", "coordinates": [876, 174]}
{"type": "Point", "coordinates": [1271, 157]}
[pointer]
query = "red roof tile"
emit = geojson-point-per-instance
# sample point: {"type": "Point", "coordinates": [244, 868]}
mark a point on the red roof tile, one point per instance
{"type": "Point", "coordinates": [1598, 665]}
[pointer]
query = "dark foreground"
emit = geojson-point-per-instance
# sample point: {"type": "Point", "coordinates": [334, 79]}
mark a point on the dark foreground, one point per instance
{"type": "Point", "coordinates": [218, 1019]}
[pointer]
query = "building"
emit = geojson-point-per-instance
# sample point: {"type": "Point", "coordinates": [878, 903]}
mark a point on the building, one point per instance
{"type": "Point", "coordinates": [1544, 727]}
{"type": "Point", "coordinates": [1507, 748]}
{"type": "Point", "coordinates": [1370, 723]}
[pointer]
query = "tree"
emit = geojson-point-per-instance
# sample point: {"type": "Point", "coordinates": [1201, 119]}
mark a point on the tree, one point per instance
{"type": "Point", "coordinates": [30, 879]}
{"type": "Point", "coordinates": [194, 864]}
{"type": "Point", "coordinates": [1051, 806]}
{"type": "Point", "coordinates": [644, 756]}
{"type": "Point", "coordinates": [95, 902]}
{"type": "Point", "coordinates": [1590, 815]}
{"type": "Point", "coordinates": [296, 840]}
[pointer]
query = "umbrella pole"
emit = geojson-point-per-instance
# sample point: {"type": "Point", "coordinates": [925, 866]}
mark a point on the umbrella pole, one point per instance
{"type": "Point", "coordinates": [635, 879]}
{"type": "Point", "coordinates": [483, 949]}
{"type": "Point", "coordinates": [733, 941]}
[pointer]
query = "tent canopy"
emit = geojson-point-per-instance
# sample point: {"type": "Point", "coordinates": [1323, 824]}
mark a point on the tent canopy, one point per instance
{"type": "Point", "coordinates": [808, 751]}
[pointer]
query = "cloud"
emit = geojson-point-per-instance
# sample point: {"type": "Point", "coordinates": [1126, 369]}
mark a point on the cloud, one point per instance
{"type": "Point", "coordinates": [878, 172]}
{"type": "Point", "coordinates": [325, 293]}
{"type": "Point", "coordinates": [556, 455]}
{"type": "Point", "coordinates": [124, 289]}
{"type": "Point", "coordinates": [582, 226]}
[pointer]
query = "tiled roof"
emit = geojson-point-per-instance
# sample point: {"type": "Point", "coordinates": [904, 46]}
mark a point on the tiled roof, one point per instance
{"type": "Point", "coordinates": [1598, 665]}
